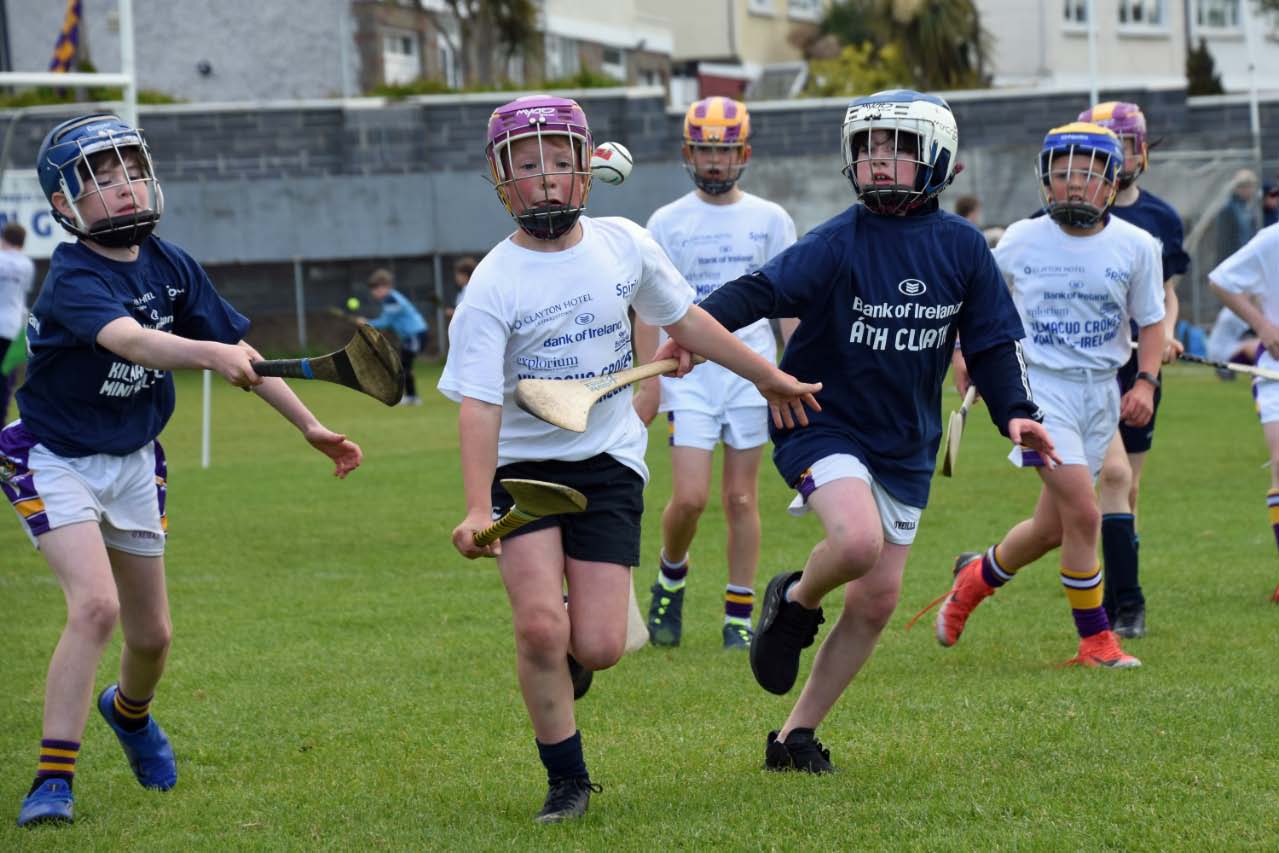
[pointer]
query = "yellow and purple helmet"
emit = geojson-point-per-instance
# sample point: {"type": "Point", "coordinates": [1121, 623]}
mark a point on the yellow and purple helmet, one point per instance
{"type": "Point", "coordinates": [1105, 155]}
{"type": "Point", "coordinates": [1125, 120]}
{"type": "Point", "coordinates": [541, 117]}
{"type": "Point", "coordinates": [719, 123]}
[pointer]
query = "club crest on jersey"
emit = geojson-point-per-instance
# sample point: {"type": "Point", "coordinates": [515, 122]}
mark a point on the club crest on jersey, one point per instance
{"type": "Point", "coordinates": [911, 287]}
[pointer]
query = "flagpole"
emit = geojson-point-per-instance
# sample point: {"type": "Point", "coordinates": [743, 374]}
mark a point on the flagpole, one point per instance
{"type": "Point", "coordinates": [128, 67]}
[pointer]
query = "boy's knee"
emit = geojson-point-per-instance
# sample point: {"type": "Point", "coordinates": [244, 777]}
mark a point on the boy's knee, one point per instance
{"type": "Point", "coordinates": [876, 609]}
{"type": "Point", "coordinates": [96, 615]}
{"type": "Point", "coordinates": [1082, 518]}
{"type": "Point", "coordinates": [854, 553]}
{"type": "Point", "coordinates": [688, 505]}
{"type": "Point", "coordinates": [600, 652]}
{"type": "Point", "coordinates": [740, 504]}
{"type": "Point", "coordinates": [543, 634]}
{"type": "Point", "coordinates": [1115, 479]}
{"type": "Point", "coordinates": [153, 641]}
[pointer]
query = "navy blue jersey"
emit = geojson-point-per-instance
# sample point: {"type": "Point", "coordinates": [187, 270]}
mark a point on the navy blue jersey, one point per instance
{"type": "Point", "coordinates": [879, 299]}
{"type": "Point", "coordinates": [1156, 217]}
{"type": "Point", "coordinates": [80, 399]}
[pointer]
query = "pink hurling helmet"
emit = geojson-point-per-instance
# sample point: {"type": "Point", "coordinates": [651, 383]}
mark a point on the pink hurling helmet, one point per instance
{"type": "Point", "coordinates": [544, 118]}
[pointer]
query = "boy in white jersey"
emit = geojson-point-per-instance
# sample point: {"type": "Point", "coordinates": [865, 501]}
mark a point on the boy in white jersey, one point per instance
{"type": "Point", "coordinates": [551, 301]}
{"type": "Point", "coordinates": [713, 234]}
{"type": "Point", "coordinates": [119, 309]}
{"type": "Point", "coordinates": [1077, 275]}
{"type": "Point", "coordinates": [1249, 276]}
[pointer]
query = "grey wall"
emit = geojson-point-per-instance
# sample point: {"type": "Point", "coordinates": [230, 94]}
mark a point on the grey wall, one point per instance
{"type": "Point", "coordinates": [263, 49]}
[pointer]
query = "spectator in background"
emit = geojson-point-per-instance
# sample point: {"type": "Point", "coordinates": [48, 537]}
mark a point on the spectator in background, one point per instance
{"type": "Point", "coordinates": [1270, 204]}
{"type": "Point", "coordinates": [969, 207]}
{"type": "Point", "coordinates": [17, 274]}
{"type": "Point", "coordinates": [462, 269]}
{"type": "Point", "coordinates": [399, 316]}
{"type": "Point", "coordinates": [1237, 220]}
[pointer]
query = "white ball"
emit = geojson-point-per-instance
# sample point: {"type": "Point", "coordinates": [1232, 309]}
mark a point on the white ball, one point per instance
{"type": "Point", "coordinates": [611, 163]}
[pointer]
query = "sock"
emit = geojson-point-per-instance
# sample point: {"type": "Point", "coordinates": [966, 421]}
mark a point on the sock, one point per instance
{"type": "Point", "coordinates": [563, 760]}
{"type": "Point", "coordinates": [1272, 501]}
{"type": "Point", "coordinates": [994, 574]}
{"type": "Point", "coordinates": [131, 714]}
{"type": "Point", "coordinates": [672, 575]}
{"type": "Point", "coordinates": [739, 601]}
{"type": "Point", "coordinates": [1083, 591]}
{"type": "Point", "coordinates": [1119, 553]}
{"type": "Point", "coordinates": [57, 761]}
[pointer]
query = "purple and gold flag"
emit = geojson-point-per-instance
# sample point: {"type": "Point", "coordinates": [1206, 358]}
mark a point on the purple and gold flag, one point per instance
{"type": "Point", "coordinates": [68, 43]}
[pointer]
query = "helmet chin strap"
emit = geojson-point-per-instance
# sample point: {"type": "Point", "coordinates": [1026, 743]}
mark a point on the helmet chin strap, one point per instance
{"type": "Point", "coordinates": [124, 231]}
{"type": "Point", "coordinates": [1075, 215]}
{"type": "Point", "coordinates": [548, 223]}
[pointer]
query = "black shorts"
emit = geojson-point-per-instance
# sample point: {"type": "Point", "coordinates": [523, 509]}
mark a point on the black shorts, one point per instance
{"type": "Point", "coordinates": [608, 531]}
{"type": "Point", "coordinates": [1137, 439]}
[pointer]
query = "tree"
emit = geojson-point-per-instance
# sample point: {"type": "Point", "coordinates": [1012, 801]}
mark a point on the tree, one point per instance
{"type": "Point", "coordinates": [1201, 73]}
{"type": "Point", "coordinates": [491, 30]}
{"type": "Point", "coordinates": [939, 43]}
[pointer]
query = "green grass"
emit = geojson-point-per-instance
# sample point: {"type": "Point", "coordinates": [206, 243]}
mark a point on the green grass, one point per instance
{"type": "Point", "coordinates": [341, 679]}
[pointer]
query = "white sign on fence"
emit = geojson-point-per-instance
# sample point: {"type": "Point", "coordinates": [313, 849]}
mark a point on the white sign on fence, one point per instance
{"type": "Point", "coordinates": [22, 201]}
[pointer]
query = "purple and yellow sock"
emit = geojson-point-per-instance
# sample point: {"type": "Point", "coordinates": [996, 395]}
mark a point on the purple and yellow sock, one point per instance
{"type": "Point", "coordinates": [130, 713]}
{"type": "Point", "coordinates": [992, 572]}
{"type": "Point", "coordinates": [739, 601]}
{"type": "Point", "coordinates": [1083, 591]}
{"type": "Point", "coordinates": [1272, 503]}
{"type": "Point", "coordinates": [57, 761]}
{"type": "Point", "coordinates": [672, 574]}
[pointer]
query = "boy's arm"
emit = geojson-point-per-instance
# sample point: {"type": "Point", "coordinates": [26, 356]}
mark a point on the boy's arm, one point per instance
{"type": "Point", "coordinates": [478, 425]}
{"type": "Point", "coordinates": [697, 331]}
{"type": "Point", "coordinates": [1250, 312]}
{"type": "Point", "coordinates": [158, 350]}
{"type": "Point", "coordinates": [648, 395]}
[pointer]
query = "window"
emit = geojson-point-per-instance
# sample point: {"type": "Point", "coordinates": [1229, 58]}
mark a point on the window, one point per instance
{"type": "Point", "coordinates": [1075, 11]}
{"type": "Point", "coordinates": [401, 58]}
{"type": "Point", "coordinates": [1217, 14]}
{"type": "Point", "coordinates": [804, 10]}
{"type": "Point", "coordinates": [449, 71]}
{"type": "Point", "coordinates": [1141, 13]}
{"type": "Point", "coordinates": [760, 7]}
{"type": "Point", "coordinates": [561, 57]}
{"type": "Point", "coordinates": [613, 63]}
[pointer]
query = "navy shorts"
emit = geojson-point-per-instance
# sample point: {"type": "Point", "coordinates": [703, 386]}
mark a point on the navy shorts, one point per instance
{"type": "Point", "coordinates": [1137, 439]}
{"type": "Point", "coordinates": [608, 531]}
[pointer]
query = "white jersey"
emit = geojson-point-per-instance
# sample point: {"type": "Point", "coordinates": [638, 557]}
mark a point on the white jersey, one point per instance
{"type": "Point", "coordinates": [562, 315]}
{"type": "Point", "coordinates": [712, 244]}
{"type": "Point", "coordinates": [1076, 295]}
{"type": "Point", "coordinates": [17, 274]}
{"type": "Point", "coordinates": [1254, 270]}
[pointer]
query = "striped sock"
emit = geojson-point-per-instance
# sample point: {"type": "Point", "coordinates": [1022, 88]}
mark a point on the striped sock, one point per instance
{"type": "Point", "coordinates": [739, 601]}
{"type": "Point", "coordinates": [1272, 501]}
{"type": "Point", "coordinates": [57, 761]}
{"type": "Point", "coordinates": [672, 575]}
{"type": "Point", "coordinates": [1083, 591]}
{"type": "Point", "coordinates": [131, 714]}
{"type": "Point", "coordinates": [994, 574]}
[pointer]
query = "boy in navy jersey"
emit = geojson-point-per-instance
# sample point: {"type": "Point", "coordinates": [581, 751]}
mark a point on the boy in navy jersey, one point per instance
{"type": "Point", "coordinates": [880, 292]}
{"type": "Point", "coordinates": [119, 309]}
{"type": "Point", "coordinates": [1120, 480]}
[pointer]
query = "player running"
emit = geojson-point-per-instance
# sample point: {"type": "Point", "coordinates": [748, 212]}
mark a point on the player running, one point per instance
{"type": "Point", "coordinates": [714, 233]}
{"type": "Point", "coordinates": [1077, 276]}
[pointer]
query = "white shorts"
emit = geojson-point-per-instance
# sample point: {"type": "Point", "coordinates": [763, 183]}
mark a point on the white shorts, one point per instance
{"type": "Point", "coordinates": [1081, 414]}
{"type": "Point", "coordinates": [900, 521]}
{"type": "Point", "coordinates": [1267, 391]}
{"type": "Point", "coordinates": [124, 495]}
{"type": "Point", "coordinates": [741, 428]}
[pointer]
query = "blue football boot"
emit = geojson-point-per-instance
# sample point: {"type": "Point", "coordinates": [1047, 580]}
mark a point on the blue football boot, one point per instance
{"type": "Point", "coordinates": [52, 802]}
{"type": "Point", "coordinates": [148, 749]}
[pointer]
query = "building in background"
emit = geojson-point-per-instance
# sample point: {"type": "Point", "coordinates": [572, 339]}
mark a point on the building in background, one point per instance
{"type": "Point", "coordinates": [738, 48]}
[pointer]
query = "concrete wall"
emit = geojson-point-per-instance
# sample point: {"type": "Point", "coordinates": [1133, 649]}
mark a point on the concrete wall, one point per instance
{"type": "Point", "coordinates": [350, 184]}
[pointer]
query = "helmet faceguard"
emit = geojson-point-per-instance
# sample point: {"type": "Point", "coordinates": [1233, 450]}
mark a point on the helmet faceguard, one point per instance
{"type": "Point", "coordinates": [1126, 121]}
{"type": "Point", "coordinates": [720, 126]}
{"type": "Point", "coordinates": [1087, 158]}
{"type": "Point", "coordinates": [557, 125]}
{"type": "Point", "coordinates": [102, 169]}
{"type": "Point", "coordinates": [885, 132]}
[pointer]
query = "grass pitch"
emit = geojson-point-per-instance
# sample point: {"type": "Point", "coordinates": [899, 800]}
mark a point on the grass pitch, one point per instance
{"type": "Point", "coordinates": [341, 679]}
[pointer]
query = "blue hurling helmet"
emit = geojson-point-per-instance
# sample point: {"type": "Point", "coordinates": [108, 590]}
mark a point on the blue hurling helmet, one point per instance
{"type": "Point", "coordinates": [923, 130]}
{"type": "Point", "coordinates": [69, 161]}
{"type": "Point", "coordinates": [1096, 178]}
